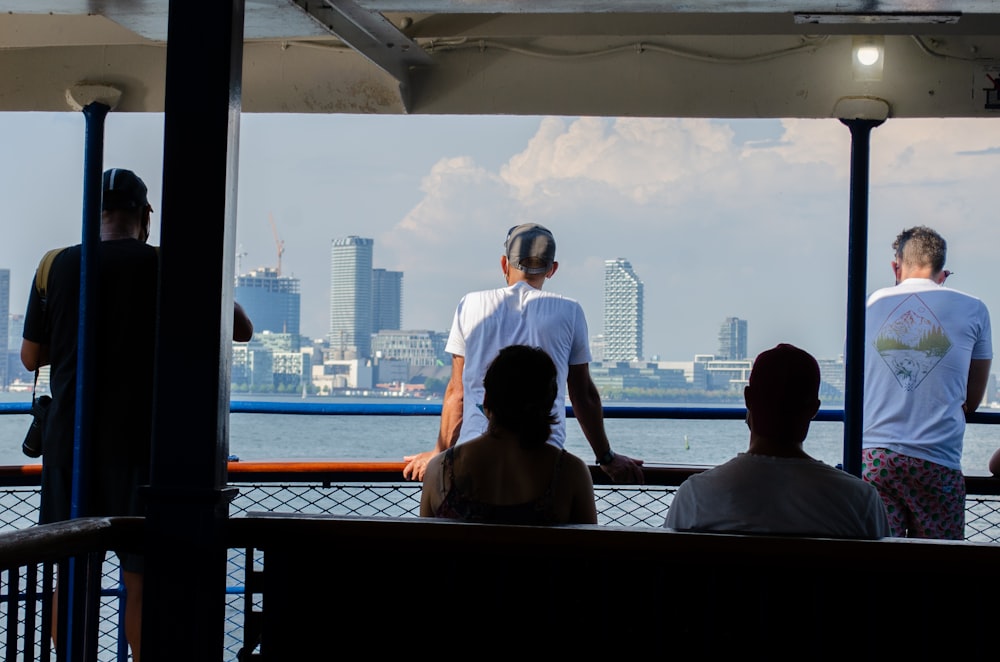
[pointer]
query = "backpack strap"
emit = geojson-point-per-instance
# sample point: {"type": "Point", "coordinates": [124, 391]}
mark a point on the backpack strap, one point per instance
{"type": "Point", "coordinates": [42, 273]}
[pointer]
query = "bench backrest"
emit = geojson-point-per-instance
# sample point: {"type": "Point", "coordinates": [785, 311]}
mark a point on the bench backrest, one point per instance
{"type": "Point", "coordinates": [408, 574]}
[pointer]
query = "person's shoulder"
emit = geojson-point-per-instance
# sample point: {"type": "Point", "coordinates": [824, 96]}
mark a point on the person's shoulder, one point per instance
{"type": "Point", "coordinates": [480, 294]}
{"type": "Point", "coordinates": [62, 251]}
{"type": "Point", "coordinates": [574, 465]}
{"type": "Point", "coordinates": [708, 475]}
{"type": "Point", "coordinates": [971, 297]}
{"type": "Point", "coordinates": [140, 247]}
{"type": "Point", "coordinates": [56, 258]}
{"type": "Point", "coordinates": [843, 479]}
{"type": "Point", "coordinates": [881, 293]}
{"type": "Point", "coordinates": [743, 457]}
{"type": "Point", "coordinates": [557, 296]}
{"type": "Point", "coordinates": [573, 461]}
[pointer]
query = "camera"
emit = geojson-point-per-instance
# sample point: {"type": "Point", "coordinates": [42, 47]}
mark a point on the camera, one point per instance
{"type": "Point", "coordinates": [32, 445]}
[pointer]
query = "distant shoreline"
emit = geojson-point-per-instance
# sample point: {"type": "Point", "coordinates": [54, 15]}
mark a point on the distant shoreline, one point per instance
{"type": "Point", "coordinates": [727, 400]}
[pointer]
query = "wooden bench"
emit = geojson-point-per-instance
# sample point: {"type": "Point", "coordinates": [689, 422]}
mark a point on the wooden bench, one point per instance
{"type": "Point", "coordinates": [422, 583]}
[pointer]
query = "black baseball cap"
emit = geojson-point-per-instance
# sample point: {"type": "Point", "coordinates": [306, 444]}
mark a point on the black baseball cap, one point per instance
{"type": "Point", "coordinates": [123, 189]}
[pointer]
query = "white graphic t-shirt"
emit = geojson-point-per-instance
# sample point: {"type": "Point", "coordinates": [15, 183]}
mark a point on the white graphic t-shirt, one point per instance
{"type": "Point", "coordinates": [919, 340]}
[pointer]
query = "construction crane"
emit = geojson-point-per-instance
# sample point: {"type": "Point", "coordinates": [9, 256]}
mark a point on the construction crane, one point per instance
{"type": "Point", "coordinates": [240, 254]}
{"type": "Point", "coordinates": [279, 243]}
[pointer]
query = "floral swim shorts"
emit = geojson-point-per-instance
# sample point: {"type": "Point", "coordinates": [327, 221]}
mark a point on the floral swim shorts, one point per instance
{"type": "Point", "coordinates": [923, 499]}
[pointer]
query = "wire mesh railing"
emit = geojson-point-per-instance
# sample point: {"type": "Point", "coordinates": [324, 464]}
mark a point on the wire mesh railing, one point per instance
{"type": "Point", "coordinates": [276, 490]}
{"type": "Point", "coordinates": [351, 489]}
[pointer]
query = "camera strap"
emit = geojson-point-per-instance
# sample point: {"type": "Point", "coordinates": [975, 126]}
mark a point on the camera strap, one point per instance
{"type": "Point", "coordinates": [34, 387]}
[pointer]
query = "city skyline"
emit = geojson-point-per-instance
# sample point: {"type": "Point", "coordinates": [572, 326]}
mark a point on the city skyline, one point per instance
{"type": "Point", "coordinates": [5, 328]}
{"type": "Point", "coordinates": [744, 218]}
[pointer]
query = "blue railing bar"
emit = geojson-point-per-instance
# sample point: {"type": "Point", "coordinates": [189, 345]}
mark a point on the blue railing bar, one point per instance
{"type": "Point", "coordinates": [610, 411]}
{"type": "Point", "coordinates": [424, 409]}
{"type": "Point", "coordinates": [989, 417]}
{"type": "Point", "coordinates": [15, 408]}
{"type": "Point", "coordinates": [335, 408]}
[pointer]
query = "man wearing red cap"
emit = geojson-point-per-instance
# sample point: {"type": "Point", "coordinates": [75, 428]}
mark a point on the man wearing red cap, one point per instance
{"type": "Point", "coordinates": [522, 314]}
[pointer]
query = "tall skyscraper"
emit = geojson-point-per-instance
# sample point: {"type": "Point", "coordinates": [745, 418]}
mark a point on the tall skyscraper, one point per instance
{"type": "Point", "coordinates": [733, 339]}
{"type": "Point", "coordinates": [15, 331]}
{"type": "Point", "coordinates": [273, 302]}
{"type": "Point", "coordinates": [351, 295]}
{"type": "Point", "coordinates": [5, 316]}
{"type": "Point", "coordinates": [15, 370]}
{"type": "Point", "coordinates": [623, 318]}
{"type": "Point", "coordinates": [387, 300]}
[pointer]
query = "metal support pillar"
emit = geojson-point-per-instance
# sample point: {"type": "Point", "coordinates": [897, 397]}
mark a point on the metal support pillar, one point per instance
{"type": "Point", "coordinates": [78, 609]}
{"type": "Point", "coordinates": [187, 500]}
{"type": "Point", "coordinates": [857, 266]}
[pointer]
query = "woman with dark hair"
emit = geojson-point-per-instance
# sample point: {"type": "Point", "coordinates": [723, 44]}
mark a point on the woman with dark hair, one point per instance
{"type": "Point", "coordinates": [510, 474]}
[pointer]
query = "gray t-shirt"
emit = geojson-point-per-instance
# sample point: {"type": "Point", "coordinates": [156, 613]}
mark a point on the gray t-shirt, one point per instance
{"type": "Point", "coordinates": [778, 495]}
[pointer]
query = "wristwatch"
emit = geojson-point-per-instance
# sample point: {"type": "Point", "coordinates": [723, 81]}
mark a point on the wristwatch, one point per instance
{"type": "Point", "coordinates": [607, 458]}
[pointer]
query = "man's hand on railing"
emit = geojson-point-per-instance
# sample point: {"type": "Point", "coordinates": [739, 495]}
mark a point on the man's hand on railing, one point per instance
{"type": "Point", "coordinates": [416, 465]}
{"type": "Point", "coordinates": [625, 470]}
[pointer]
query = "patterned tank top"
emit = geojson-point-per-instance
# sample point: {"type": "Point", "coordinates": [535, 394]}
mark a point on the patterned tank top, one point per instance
{"type": "Point", "coordinates": [458, 505]}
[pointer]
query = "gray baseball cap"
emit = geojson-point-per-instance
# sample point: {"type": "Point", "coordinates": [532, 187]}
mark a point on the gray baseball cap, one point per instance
{"type": "Point", "coordinates": [530, 240]}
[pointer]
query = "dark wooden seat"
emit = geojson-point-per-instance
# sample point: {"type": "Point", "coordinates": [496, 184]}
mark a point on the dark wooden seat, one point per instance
{"type": "Point", "coordinates": [399, 581]}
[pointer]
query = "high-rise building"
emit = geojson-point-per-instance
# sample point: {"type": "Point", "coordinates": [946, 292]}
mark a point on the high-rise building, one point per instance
{"type": "Point", "coordinates": [419, 348]}
{"type": "Point", "coordinates": [351, 296]}
{"type": "Point", "coordinates": [15, 331]}
{"type": "Point", "coordinates": [733, 339]}
{"type": "Point", "coordinates": [273, 302]}
{"type": "Point", "coordinates": [4, 328]}
{"type": "Point", "coordinates": [387, 300]}
{"type": "Point", "coordinates": [623, 316]}
{"type": "Point", "coordinates": [15, 369]}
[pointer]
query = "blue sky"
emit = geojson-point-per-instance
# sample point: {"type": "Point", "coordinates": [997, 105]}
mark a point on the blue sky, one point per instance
{"type": "Point", "coordinates": [743, 218]}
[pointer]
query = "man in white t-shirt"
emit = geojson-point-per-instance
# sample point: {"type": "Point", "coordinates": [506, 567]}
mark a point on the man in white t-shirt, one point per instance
{"type": "Point", "coordinates": [775, 487]}
{"type": "Point", "coordinates": [522, 314]}
{"type": "Point", "coordinates": [928, 352]}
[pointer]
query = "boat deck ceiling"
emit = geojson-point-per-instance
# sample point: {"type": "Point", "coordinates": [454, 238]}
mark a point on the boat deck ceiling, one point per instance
{"type": "Point", "coordinates": [708, 58]}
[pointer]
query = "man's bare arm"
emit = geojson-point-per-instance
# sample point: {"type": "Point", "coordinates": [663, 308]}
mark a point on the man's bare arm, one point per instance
{"type": "Point", "coordinates": [34, 355]}
{"type": "Point", "coordinates": [589, 412]}
{"type": "Point", "coordinates": [451, 407]}
{"type": "Point", "coordinates": [995, 463]}
{"type": "Point", "coordinates": [587, 407]}
{"type": "Point", "coordinates": [451, 423]}
{"type": "Point", "coordinates": [979, 376]}
{"type": "Point", "coordinates": [242, 325]}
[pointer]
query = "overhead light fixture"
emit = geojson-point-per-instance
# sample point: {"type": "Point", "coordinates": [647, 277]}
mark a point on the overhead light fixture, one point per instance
{"type": "Point", "coordinates": [867, 57]}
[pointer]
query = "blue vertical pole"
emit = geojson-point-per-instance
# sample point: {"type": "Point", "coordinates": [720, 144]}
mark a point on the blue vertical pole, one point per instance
{"type": "Point", "coordinates": [857, 266]}
{"type": "Point", "coordinates": [80, 640]}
